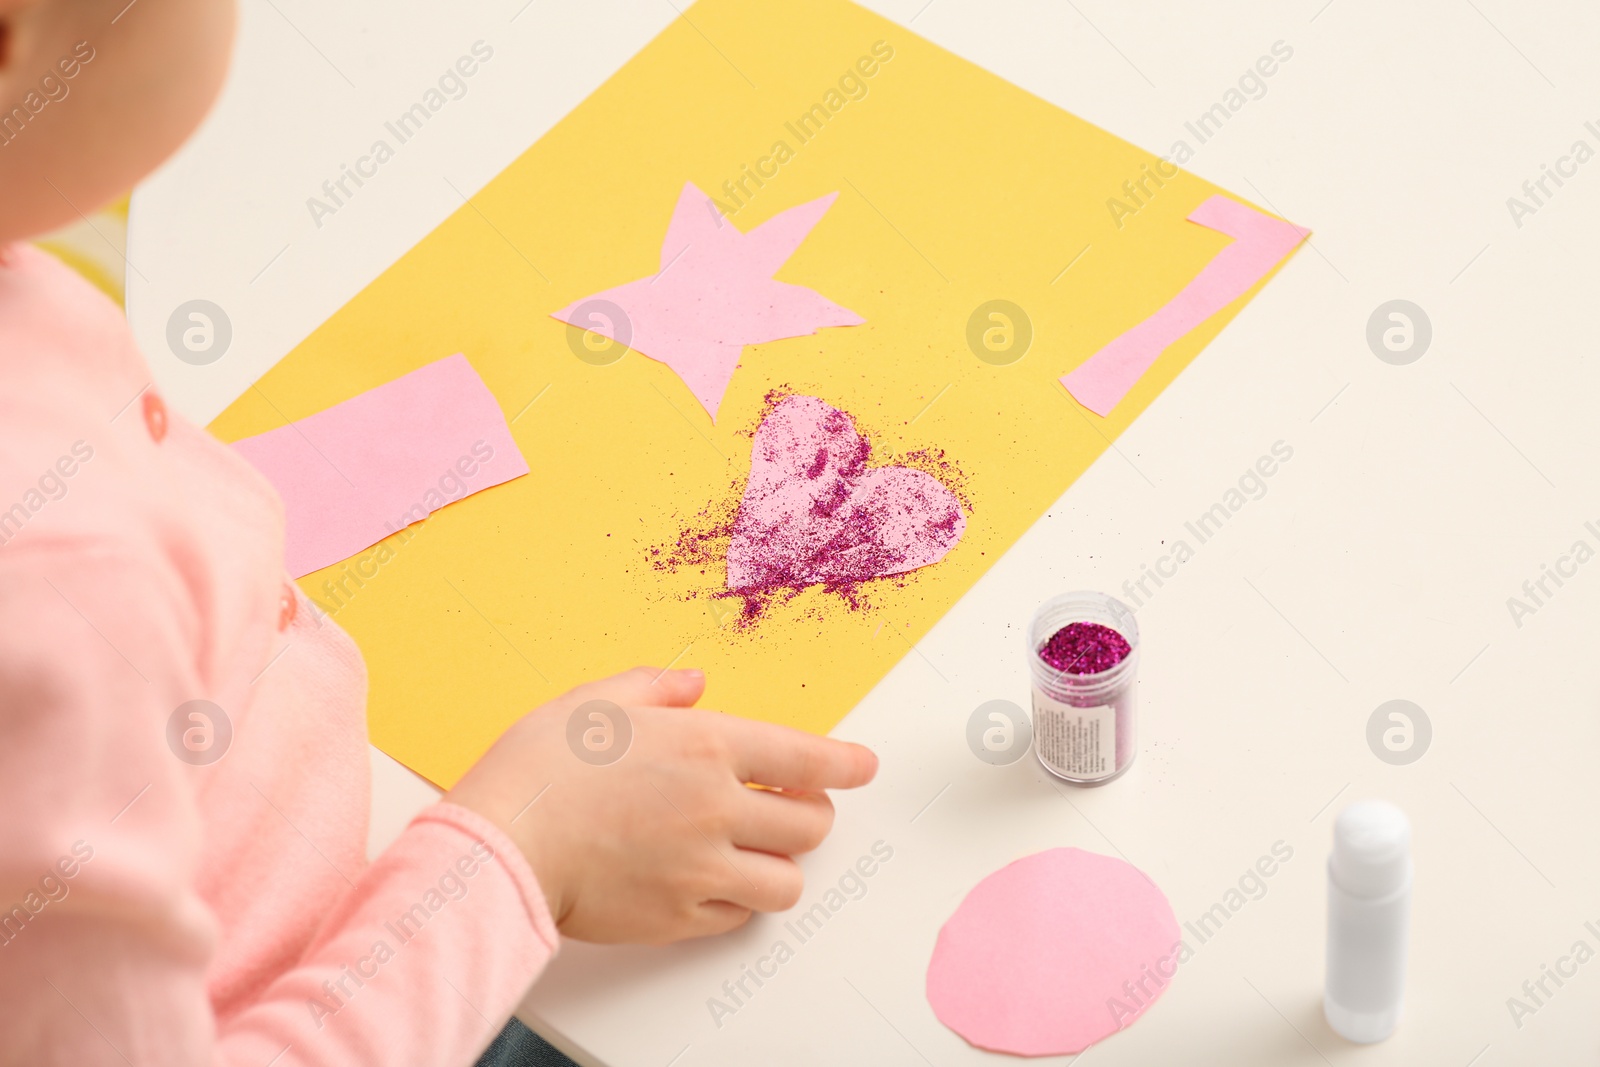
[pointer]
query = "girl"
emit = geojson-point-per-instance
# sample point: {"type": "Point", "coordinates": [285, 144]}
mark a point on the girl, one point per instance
{"type": "Point", "coordinates": [161, 907]}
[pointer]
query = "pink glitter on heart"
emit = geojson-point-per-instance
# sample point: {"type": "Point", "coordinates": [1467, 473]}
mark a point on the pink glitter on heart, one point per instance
{"type": "Point", "coordinates": [814, 513]}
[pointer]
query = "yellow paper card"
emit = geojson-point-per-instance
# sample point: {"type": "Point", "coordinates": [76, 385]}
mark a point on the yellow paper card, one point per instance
{"type": "Point", "coordinates": [956, 189]}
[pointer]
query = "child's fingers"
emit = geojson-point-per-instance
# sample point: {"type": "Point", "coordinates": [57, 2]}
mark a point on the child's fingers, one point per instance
{"type": "Point", "coordinates": [783, 823]}
{"type": "Point", "coordinates": [646, 687]}
{"type": "Point", "coordinates": [787, 758]}
{"type": "Point", "coordinates": [759, 881]}
{"type": "Point", "coordinates": [717, 917]}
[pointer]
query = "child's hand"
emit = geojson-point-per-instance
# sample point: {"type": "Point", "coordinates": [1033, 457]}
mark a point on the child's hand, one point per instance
{"type": "Point", "coordinates": [668, 842]}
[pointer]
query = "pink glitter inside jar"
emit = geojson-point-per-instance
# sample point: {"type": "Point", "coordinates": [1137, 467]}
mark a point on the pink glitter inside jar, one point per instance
{"type": "Point", "coordinates": [1083, 655]}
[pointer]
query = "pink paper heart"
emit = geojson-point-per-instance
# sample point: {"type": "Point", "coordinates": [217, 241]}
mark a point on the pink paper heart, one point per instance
{"type": "Point", "coordinates": [814, 513]}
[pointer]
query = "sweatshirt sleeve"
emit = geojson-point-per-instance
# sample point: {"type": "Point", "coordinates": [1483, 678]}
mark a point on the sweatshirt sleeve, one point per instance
{"type": "Point", "coordinates": [105, 943]}
{"type": "Point", "coordinates": [421, 962]}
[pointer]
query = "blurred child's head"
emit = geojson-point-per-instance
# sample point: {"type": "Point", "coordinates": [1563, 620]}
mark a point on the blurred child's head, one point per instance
{"type": "Point", "coordinates": [94, 94]}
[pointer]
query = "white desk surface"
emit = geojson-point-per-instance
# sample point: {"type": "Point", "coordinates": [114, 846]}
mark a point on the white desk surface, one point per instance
{"type": "Point", "coordinates": [1377, 566]}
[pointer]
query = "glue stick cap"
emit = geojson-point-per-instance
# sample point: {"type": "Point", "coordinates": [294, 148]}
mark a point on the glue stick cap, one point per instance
{"type": "Point", "coordinates": [1371, 850]}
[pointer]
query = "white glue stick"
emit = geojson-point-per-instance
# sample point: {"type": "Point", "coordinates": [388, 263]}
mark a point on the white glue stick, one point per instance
{"type": "Point", "coordinates": [1369, 919]}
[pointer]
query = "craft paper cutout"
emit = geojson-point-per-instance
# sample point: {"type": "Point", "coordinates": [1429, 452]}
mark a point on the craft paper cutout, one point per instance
{"type": "Point", "coordinates": [1052, 953]}
{"type": "Point", "coordinates": [1260, 242]}
{"type": "Point", "coordinates": [814, 513]}
{"type": "Point", "coordinates": [923, 232]}
{"type": "Point", "coordinates": [713, 295]}
{"type": "Point", "coordinates": [363, 469]}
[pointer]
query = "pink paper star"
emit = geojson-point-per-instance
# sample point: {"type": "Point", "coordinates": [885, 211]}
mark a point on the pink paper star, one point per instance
{"type": "Point", "coordinates": [713, 295]}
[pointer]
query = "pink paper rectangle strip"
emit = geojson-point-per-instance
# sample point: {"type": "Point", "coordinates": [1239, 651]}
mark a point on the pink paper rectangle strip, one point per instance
{"type": "Point", "coordinates": [357, 472]}
{"type": "Point", "coordinates": [1259, 243]}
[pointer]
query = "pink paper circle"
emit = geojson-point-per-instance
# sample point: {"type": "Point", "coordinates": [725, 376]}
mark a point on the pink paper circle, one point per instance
{"type": "Point", "coordinates": [1052, 953]}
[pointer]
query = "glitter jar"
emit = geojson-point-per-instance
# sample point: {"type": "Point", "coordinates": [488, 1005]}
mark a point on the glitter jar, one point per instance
{"type": "Point", "coordinates": [1083, 722]}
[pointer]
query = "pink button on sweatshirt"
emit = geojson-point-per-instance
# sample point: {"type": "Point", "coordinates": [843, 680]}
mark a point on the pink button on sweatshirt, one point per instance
{"type": "Point", "coordinates": [158, 904]}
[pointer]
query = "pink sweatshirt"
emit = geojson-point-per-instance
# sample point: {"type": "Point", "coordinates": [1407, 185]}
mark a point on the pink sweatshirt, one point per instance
{"type": "Point", "coordinates": [186, 883]}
